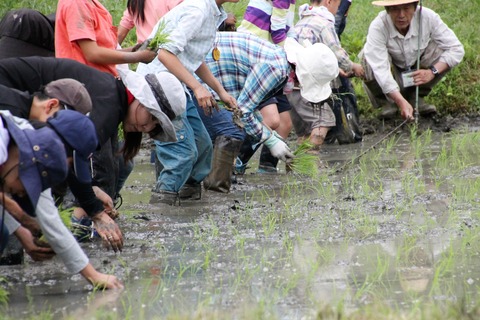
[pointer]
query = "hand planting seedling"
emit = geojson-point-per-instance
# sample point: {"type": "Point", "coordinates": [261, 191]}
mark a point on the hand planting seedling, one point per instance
{"type": "Point", "coordinates": [236, 114]}
{"type": "Point", "coordinates": [66, 216]}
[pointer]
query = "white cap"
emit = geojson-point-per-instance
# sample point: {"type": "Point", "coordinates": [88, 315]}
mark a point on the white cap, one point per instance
{"type": "Point", "coordinates": [163, 96]}
{"type": "Point", "coordinates": [316, 66]}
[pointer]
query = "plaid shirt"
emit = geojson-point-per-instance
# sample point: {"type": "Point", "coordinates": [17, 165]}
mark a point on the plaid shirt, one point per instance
{"type": "Point", "coordinates": [250, 69]}
{"type": "Point", "coordinates": [191, 27]}
{"type": "Point", "coordinates": [315, 27]}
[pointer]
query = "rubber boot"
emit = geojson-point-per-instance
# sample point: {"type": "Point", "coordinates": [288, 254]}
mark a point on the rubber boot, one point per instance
{"type": "Point", "coordinates": [268, 163]}
{"type": "Point", "coordinates": [246, 153]}
{"type": "Point", "coordinates": [224, 153]}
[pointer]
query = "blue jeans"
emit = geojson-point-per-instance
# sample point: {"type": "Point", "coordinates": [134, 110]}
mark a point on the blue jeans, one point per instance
{"type": "Point", "coordinates": [188, 159]}
{"type": "Point", "coordinates": [220, 123]}
{"type": "Point", "coordinates": [341, 17]}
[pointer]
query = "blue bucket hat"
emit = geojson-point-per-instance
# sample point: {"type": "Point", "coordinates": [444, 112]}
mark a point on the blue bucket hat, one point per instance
{"type": "Point", "coordinates": [79, 133]}
{"type": "Point", "coordinates": [42, 161]}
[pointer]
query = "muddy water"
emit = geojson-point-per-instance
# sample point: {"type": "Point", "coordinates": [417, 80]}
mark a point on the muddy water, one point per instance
{"type": "Point", "coordinates": [397, 227]}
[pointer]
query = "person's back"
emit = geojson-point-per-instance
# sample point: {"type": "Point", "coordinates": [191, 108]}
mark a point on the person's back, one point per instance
{"type": "Point", "coordinates": [269, 20]}
{"type": "Point", "coordinates": [241, 52]}
{"type": "Point", "coordinates": [96, 24]}
{"type": "Point", "coordinates": [26, 32]}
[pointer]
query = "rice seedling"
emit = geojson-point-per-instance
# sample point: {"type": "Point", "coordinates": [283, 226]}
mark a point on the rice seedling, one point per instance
{"type": "Point", "coordinates": [65, 216]}
{"type": "Point", "coordinates": [3, 292]}
{"type": "Point", "coordinates": [304, 162]}
{"type": "Point", "coordinates": [161, 37]}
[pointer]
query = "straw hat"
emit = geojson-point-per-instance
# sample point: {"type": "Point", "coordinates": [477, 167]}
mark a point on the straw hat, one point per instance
{"type": "Point", "coordinates": [389, 3]}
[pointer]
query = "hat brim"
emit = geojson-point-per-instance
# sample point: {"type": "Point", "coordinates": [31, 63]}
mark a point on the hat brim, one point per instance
{"type": "Point", "coordinates": [27, 169]}
{"type": "Point", "coordinates": [140, 89]}
{"type": "Point", "coordinates": [387, 3]}
{"type": "Point", "coordinates": [81, 168]}
{"type": "Point", "coordinates": [292, 47]}
{"type": "Point", "coordinates": [317, 93]}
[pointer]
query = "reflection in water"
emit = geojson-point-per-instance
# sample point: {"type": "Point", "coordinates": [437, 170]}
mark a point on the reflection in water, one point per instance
{"type": "Point", "coordinates": [397, 227]}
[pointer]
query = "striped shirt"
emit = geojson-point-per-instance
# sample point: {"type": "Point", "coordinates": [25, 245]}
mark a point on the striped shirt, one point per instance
{"type": "Point", "coordinates": [317, 25]}
{"type": "Point", "coordinates": [271, 20]}
{"type": "Point", "coordinates": [250, 69]}
{"type": "Point", "coordinates": [191, 27]}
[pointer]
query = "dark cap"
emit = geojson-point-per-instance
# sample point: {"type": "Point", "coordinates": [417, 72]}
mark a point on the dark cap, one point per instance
{"type": "Point", "coordinates": [42, 163]}
{"type": "Point", "coordinates": [71, 92]}
{"type": "Point", "coordinates": [78, 131]}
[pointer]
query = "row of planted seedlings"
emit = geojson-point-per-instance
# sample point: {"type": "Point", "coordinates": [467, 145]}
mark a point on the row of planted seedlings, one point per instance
{"type": "Point", "coordinates": [277, 250]}
{"type": "Point", "coordinates": [281, 243]}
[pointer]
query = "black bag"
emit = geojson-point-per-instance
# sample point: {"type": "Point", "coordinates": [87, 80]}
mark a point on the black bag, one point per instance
{"type": "Point", "coordinates": [344, 106]}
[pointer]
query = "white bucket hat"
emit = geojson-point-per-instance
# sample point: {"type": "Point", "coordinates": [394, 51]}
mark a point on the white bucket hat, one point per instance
{"type": "Point", "coordinates": [163, 96]}
{"type": "Point", "coordinates": [316, 66]}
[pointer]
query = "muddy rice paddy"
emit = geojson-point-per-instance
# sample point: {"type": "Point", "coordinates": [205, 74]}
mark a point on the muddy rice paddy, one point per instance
{"type": "Point", "coordinates": [396, 232]}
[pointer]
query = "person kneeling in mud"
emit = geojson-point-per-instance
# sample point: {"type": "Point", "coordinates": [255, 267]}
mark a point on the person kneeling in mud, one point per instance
{"type": "Point", "coordinates": [392, 47]}
{"type": "Point", "coordinates": [253, 70]}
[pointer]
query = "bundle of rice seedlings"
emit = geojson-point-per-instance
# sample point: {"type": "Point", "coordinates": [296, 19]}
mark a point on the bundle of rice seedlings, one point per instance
{"type": "Point", "coordinates": [65, 215]}
{"type": "Point", "coordinates": [161, 37]}
{"type": "Point", "coordinates": [304, 162]}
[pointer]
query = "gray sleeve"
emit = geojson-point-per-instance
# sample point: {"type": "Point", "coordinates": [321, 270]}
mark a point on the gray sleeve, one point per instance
{"type": "Point", "coordinates": [58, 236]}
{"type": "Point", "coordinates": [10, 223]}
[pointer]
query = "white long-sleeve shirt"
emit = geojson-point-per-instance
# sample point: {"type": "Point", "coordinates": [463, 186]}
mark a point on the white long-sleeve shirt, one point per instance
{"type": "Point", "coordinates": [384, 41]}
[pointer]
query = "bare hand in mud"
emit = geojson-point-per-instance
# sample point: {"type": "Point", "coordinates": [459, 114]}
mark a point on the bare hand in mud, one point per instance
{"type": "Point", "coordinates": [32, 246]}
{"type": "Point", "coordinates": [32, 225]}
{"type": "Point", "coordinates": [39, 253]}
{"type": "Point", "coordinates": [406, 111]}
{"type": "Point", "coordinates": [229, 101]}
{"type": "Point", "coordinates": [108, 231]}
{"type": "Point", "coordinates": [104, 197]}
{"type": "Point", "coordinates": [100, 280]}
{"type": "Point", "coordinates": [106, 281]}
{"type": "Point", "coordinates": [205, 100]}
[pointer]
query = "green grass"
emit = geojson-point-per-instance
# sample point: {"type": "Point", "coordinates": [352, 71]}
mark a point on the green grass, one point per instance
{"type": "Point", "coordinates": [458, 93]}
{"type": "Point", "coordinates": [283, 243]}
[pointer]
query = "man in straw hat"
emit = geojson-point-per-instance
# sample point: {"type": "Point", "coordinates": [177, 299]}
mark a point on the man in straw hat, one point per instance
{"type": "Point", "coordinates": [396, 37]}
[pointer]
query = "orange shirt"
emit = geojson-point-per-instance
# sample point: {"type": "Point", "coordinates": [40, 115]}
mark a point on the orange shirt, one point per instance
{"type": "Point", "coordinates": [83, 19]}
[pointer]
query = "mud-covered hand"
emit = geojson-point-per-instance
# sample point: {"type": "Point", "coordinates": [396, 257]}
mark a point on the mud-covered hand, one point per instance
{"type": "Point", "coordinates": [205, 99]}
{"type": "Point", "coordinates": [230, 102]}
{"type": "Point", "coordinates": [108, 231]}
{"type": "Point", "coordinates": [104, 197]}
{"type": "Point", "coordinates": [34, 250]}
{"type": "Point", "coordinates": [278, 147]}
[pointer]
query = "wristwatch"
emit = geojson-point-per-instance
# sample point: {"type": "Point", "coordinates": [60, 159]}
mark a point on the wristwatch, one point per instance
{"type": "Point", "coordinates": [434, 70]}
